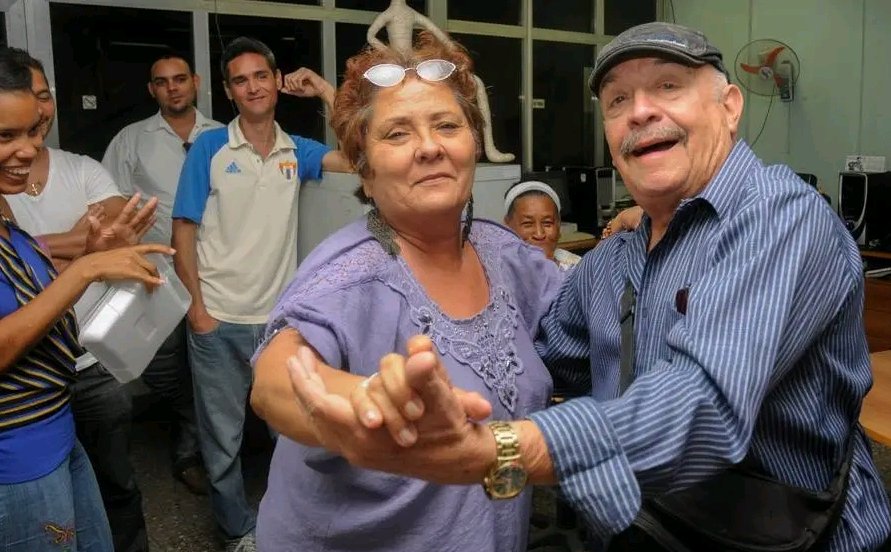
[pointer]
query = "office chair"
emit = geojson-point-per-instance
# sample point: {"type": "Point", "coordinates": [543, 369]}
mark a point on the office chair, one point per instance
{"type": "Point", "coordinates": [809, 178]}
{"type": "Point", "coordinates": [812, 180]}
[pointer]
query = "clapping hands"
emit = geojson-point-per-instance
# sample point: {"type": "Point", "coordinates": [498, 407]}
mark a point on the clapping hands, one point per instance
{"type": "Point", "coordinates": [127, 229]}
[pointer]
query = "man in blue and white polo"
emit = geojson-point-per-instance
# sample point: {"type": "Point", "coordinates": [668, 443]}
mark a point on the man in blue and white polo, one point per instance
{"type": "Point", "coordinates": [235, 235]}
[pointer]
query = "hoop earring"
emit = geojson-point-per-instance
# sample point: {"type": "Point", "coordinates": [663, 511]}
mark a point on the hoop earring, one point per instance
{"type": "Point", "coordinates": [468, 220]}
{"type": "Point", "coordinates": [381, 231]}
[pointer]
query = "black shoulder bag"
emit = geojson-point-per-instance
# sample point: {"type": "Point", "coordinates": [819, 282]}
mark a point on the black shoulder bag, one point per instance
{"type": "Point", "coordinates": [740, 509]}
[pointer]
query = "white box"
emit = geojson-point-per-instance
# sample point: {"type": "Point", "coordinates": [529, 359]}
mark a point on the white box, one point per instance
{"type": "Point", "coordinates": [864, 163]}
{"type": "Point", "coordinates": [127, 325]}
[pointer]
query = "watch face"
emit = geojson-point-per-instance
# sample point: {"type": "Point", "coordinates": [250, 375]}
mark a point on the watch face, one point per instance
{"type": "Point", "coordinates": [507, 481]}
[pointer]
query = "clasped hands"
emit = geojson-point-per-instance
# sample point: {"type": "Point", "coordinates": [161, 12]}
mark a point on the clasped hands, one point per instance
{"type": "Point", "coordinates": [407, 420]}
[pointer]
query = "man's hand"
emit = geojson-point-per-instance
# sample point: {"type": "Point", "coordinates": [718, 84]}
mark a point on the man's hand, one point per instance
{"type": "Point", "coordinates": [200, 321]}
{"type": "Point", "coordinates": [627, 220]}
{"type": "Point", "coordinates": [436, 441]}
{"type": "Point", "coordinates": [127, 229]}
{"type": "Point", "coordinates": [306, 83]}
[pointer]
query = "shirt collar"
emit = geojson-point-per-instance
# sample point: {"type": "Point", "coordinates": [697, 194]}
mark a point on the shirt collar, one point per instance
{"type": "Point", "coordinates": [724, 193]}
{"type": "Point", "coordinates": [157, 122]}
{"type": "Point", "coordinates": [237, 139]}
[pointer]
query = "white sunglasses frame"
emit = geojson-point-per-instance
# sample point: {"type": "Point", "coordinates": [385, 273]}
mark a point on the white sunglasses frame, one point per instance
{"type": "Point", "coordinates": [405, 70]}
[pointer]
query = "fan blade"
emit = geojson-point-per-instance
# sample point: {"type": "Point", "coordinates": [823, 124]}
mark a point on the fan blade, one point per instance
{"type": "Point", "coordinates": [779, 80]}
{"type": "Point", "coordinates": [750, 68]}
{"type": "Point", "coordinates": [772, 56]}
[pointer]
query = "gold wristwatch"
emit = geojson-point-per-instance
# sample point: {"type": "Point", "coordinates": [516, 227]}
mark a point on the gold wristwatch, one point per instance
{"type": "Point", "coordinates": [507, 477]}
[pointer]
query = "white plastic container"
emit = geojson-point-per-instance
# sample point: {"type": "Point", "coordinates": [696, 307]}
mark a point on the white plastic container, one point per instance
{"type": "Point", "coordinates": [127, 325]}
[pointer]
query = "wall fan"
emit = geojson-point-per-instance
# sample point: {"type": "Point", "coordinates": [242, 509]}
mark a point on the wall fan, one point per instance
{"type": "Point", "coordinates": [768, 67]}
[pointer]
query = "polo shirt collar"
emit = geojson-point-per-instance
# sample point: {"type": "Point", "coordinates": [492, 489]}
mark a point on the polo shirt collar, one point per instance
{"type": "Point", "coordinates": [237, 139]}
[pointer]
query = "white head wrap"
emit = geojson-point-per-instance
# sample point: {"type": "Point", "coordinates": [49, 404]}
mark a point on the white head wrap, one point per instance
{"type": "Point", "coordinates": [530, 186]}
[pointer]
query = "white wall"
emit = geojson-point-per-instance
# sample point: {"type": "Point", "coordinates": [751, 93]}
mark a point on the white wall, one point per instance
{"type": "Point", "coordinates": [841, 99]}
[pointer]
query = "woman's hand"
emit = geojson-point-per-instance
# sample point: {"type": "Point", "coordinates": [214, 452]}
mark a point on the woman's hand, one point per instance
{"type": "Point", "coordinates": [127, 229]}
{"type": "Point", "coordinates": [123, 263]}
{"type": "Point", "coordinates": [627, 220]}
{"type": "Point", "coordinates": [443, 436]}
{"type": "Point", "coordinates": [386, 399]}
{"type": "Point", "coordinates": [95, 211]}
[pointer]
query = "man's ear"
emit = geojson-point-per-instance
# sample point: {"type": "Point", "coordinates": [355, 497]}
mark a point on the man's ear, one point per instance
{"type": "Point", "coordinates": [150, 90]}
{"type": "Point", "coordinates": [226, 89]}
{"type": "Point", "coordinates": [278, 79]}
{"type": "Point", "coordinates": [732, 100]}
{"type": "Point", "coordinates": [196, 78]}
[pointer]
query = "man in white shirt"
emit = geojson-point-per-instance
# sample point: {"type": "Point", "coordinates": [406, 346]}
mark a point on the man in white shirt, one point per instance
{"type": "Point", "coordinates": [146, 157]}
{"type": "Point", "coordinates": [59, 195]}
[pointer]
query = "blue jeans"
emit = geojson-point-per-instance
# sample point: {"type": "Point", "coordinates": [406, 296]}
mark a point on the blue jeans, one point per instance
{"type": "Point", "coordinates": [61, 511]}
{"type": "Point", "coordinates": [221, 375]}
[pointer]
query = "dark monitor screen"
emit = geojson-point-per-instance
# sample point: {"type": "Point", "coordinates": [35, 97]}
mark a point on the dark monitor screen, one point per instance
{"type": "Point", "coordinates": [852, 196]}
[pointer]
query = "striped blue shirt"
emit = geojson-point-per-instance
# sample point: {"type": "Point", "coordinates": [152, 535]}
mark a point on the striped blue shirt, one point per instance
{"type": "Point", "coordinates": [769, 356]}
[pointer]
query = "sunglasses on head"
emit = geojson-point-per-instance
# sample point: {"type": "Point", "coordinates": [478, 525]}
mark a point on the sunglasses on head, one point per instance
{"type": "Point", "coordinates": [390, 74]}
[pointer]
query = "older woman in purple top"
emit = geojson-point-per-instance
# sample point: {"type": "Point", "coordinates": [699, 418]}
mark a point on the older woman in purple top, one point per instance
{"type": "Point", "coordinates": [413, 266]}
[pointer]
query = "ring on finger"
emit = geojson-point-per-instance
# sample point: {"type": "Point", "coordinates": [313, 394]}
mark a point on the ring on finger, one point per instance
{"type": "Point", "coordinates": [367, 381]}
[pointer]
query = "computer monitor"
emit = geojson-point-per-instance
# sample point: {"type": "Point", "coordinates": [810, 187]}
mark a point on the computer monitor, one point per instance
{"type": "Point", "coordinates": [862, 204]}
{"type": "Point", "coordinates": [583, 183]}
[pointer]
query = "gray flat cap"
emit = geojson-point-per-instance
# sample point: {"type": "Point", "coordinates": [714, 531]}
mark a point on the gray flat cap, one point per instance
{"type": "Point", "coordinates": [663, 40]}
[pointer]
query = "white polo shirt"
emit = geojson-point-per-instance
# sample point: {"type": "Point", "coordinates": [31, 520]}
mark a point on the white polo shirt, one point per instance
{"type": "Point", "coordinates": [246, 209]}
{"type": "Point", "coordinates": [147, 157]}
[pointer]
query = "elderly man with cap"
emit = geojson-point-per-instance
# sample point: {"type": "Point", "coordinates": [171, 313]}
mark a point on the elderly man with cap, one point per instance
{"type": "Point", "coordinates": [532, 211]}
{"type": "Point", "coordinates": [724, 339]}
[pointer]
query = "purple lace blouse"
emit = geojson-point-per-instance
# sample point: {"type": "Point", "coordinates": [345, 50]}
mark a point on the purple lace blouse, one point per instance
{"type": "Point", "coordinates": [354, 303]}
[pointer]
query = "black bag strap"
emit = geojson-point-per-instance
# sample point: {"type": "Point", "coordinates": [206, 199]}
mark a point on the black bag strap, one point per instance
{"type": "Point", "coordinates": [656, 513]}
{"type": "Point", "coordinates": [626, 316]}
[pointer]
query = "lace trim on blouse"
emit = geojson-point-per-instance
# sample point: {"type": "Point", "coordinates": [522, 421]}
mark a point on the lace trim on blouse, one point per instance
{"type": "Point", "coordinates": [485, 342]}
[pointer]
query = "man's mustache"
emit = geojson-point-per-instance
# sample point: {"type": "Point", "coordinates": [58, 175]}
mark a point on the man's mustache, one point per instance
{"type": "Point", "coordinates": [651, 134]}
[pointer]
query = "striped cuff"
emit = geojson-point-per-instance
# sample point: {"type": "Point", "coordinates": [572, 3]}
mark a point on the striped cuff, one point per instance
{"type": "Point", "coordinates": [594, 474]}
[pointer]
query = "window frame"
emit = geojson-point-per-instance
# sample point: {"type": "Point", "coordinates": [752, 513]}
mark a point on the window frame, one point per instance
{"type": "Point", "coordinates": [28, 25]}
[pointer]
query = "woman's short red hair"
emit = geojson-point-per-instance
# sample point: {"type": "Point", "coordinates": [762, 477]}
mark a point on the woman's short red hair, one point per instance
{"type": "Point", "coordinates": [352, 104]}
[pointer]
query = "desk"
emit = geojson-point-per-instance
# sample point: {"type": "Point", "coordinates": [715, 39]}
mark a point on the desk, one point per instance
{"type": "Point", "coordinates": [870, 254]}
{"type": "Point", "coordinates": [876, 414]}
{"type": "Point", "coordinates": [579, 246]}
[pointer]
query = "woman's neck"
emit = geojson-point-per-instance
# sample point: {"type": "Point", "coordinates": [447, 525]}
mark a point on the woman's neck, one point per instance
{"type": "Point", "coordinates": [436, 241]}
